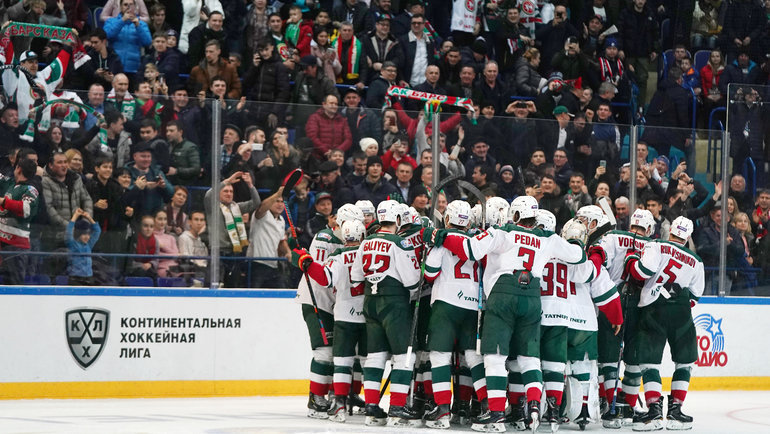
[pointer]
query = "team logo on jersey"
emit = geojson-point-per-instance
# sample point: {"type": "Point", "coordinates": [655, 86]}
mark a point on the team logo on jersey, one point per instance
{"type": "Point", "coordinates": [470, 5]}
{"type": "Point", "coordinates": [324, 236]}
{"type": "Point", "coordinates": [528, 7]}
{"type": "Point", "coordinates": [86, 333]}
{"type": "Point", "coordinates": [711, 344]}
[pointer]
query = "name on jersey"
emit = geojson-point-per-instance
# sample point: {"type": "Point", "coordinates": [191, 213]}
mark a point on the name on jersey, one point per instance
{"type": "Point", "coordinates": [527, 240]}
{"type": "Point", "coordinates": [377, 246]}
{"type": "Point", "coordinates": [677, 254]}
{"type": "Point", "coordinates": [349, 257]}
{"type": "Point", "coordinates": [627, 242]}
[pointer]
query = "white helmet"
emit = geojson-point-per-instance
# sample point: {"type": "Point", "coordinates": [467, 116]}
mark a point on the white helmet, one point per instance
{"type": "Point", "coordinates": [603, 220]}
{"type": "Point", "coordinates": [414, 216]}
{"type": "Point", "coordinates": [365, 206]}
{"type": "Point", "coordinates": [497, 211]}
{"type": "Point", "coordinates": [575, 229]}
{"type": "Point", "coordinates": [681, 228]}
{"type": "Point", "coordinates": [353, 231]}
{"type": "Point", "coordinates": [526, 206]}
{"type": "Point", "coordinates": [588, 215]}
{"type": "Point", "coordinates": [349, 212]}
{"type": "Point", "coordinates": [644, 219]}
{"type": "Point", "coordinates": [458, 213]}
{"type": "Point", "coordinates": [546, 219]}
{"type": "Point", "coordinates": [476, 215]}
{"type": "Point", "coordinates": [389, 211]}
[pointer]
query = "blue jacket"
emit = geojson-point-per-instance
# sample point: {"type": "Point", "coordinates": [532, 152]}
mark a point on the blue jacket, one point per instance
{"type": "Point", "coordinates": [152, 199]}
{"type": "Point", "coordinates": [80, 266]}
{"type": "Point", "coordinates": [127, 40]}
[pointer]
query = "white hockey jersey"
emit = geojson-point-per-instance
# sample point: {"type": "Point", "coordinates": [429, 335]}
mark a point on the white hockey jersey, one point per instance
{"type": "Point", "coordinates": [515, 248]}
{"type": "Point", "coordinates": [387, 264]}
{"type": "Point", "coordinates": [455, 280]}
{"type": "Point", "coordinates": [413, 236]}
{"type": "Point", "coordinates": [558, 290]}
{"type": "Point", "coordinates": [349, 301]}
{"type": "Point", "coordinates": [324, 244]}
{"type": "Point", "coordinates": [464, 13]}
{"type": "Point", "coordinates": [664, 262]}
{"type": "Point", "coordinates": [616, 245]}
{"type": "Point", "coordinates": [600, 292]}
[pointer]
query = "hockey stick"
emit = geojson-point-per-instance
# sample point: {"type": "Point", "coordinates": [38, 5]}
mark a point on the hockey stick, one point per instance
{"type": "Point", "coordinates": [604, 204]}
{"type": "Point", "coordinates": [413, 333]}
{"type": "Point", "coordinates": [622, 338]}
{"type": "Point", "coordinates": [307, 280]}
{"type": "Point", "coordinates": [385, 386]}
{"type": "Point", "coordinates": [483, 200]}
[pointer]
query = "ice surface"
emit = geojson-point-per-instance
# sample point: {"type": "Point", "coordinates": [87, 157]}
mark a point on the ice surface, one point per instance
{"type": "Point", "coordinates": [714, 412]}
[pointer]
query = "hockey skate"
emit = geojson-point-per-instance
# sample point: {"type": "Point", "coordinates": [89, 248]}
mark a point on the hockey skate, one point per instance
{"type": "Point", "coordinates": [461, 413]}
{"type": "Point", "coordinates": [317, 406]}
{"type": "Point", "coordinates": [652, 420]}
{"type": "Point", "coordinates": [403, 416]}
{"type": "Point", "coordinates": [491, 421]}
{"type": "Point", "coordinates": [375, 416]}
{"type": "Point", "coordinates": [675, 419]}
{"type": "Point", "coordinates": [355, 401]}
{"type": "Point", "coordinates": [337, 411]}
{"type": "Point", "coordinates": [533, 415]}
{"type": "Point", "coordinates": [623, 411]}
{"type": "Point", "coordinates": [438, 417]}
{"type": "Point", "coordinates": [551, 415]}
{"type": "Point", "coordinates": [584, 418]}
{"type": "Point", "coordinates": [516, 416]}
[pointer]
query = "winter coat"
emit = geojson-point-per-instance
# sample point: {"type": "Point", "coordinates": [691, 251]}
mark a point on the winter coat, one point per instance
{"type": "Point", "coordinates": [393, 52]}
{"type": "Point", "coordinates": [528, 80]}
{"type": "Point", "coordinates": [377, 192]}
{"type": "Point", "coordinates": [169, 64]}
{"type": "Point", "coordinates": [747, 120]}
{"type": "Point", "coordinates": [708, 80]}
{"type": "Point", "coordinates": [81, 266]}
{"type": "Point", "coordinates": [63, 198]}
{"type": "Point", "coordinates": [127, 40]}
{"type": "Point", "coordinates": [108, 219]}
{"type": "Point", "coordinates": [153, 199]}
{"type": "Point", "coordinates": [191, 19]}
{"type": "Point", "coordinates": [198, 38]}
{"type": "Point", "coordinates": [638, 32]}
{"type": "Point", "coordinates": [186, 159]}
{"type": "Point", "coordinates": [268, 84]}
{"type": "Point", "coordinates": [510, 46]}
{"type": "Point", "coordinates": [200, 74]}
{"type": "Point", "coordinates": [328, 133]}
{"type": "Point", "coordinates": [735, 74]}
{"type": "Point", "coordinates": [359, 10]}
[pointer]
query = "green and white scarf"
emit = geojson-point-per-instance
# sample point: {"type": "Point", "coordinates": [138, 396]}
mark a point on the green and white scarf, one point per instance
{"type": "Point", "coordinates": [236, 230]}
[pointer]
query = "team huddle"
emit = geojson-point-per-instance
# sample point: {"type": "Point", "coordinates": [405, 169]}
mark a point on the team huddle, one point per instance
{"type": "Point", "coordinates": [480, 317]}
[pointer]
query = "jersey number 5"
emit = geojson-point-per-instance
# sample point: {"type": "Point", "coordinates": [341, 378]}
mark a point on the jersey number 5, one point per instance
{"type": "Point", "coordinates": [375, 264]}
{"type": "Point", "coordinates": [669, 271]}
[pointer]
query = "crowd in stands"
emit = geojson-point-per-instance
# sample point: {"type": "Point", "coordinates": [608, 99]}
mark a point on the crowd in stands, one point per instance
{"type": "Point", "coordinates": [555, 87]}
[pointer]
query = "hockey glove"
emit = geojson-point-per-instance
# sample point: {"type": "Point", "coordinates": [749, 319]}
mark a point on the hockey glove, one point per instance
{"type": "Point", "coordinates": [433, 237]}
{"type": "Point", "coordinates": [293, 244]}
{"type": "Point", "coordinates": [301, 259]}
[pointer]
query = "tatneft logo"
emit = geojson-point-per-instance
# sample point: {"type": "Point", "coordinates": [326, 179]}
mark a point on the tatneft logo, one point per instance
{"type": "Point", "coordinates": [711, 345]}
{"type": "Point", "coordinates": [86, 333]}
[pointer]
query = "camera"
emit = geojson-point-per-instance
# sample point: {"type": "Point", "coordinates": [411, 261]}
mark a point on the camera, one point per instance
{"type": "Point", "coordinates": [520, 104]}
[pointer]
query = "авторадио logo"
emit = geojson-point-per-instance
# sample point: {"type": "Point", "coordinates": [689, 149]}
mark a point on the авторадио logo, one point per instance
{"type": "Point", "coordinates": [711, 345]}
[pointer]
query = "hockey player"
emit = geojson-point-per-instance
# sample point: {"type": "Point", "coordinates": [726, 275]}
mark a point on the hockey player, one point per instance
{"type": "Point", "coordinates": [516, 257]}
{"type": "Point", "coordinates": [673, 279]}
{"type": "Point", "coordinates": [389, 271]}
{"type": "Point", "coordinates": [349, 323]}
{"type": "Point", "coordinates": [454, 307]}
{"type": "Point", "coordinates": [324, 243]}
{"type": "Point", "coordinates": [367, 208]}
{"type": "Point", "coordinates": [581, 337]}
{"type": "Point", "coordinates": [616, 245]}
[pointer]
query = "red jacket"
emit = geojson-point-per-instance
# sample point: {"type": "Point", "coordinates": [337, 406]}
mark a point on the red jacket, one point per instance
{"type": "Point", "coordinates": [390, 164]}
{"type": "Point", "coordinates": [328, 134]}
{"type": "Point", "coordinates": [706, 76]}
{"type": "Point", "coordinates": [410, 123]}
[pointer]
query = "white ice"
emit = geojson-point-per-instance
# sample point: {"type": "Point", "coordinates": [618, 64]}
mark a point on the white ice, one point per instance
{"type": "Point", "coordinates": [714, 412]}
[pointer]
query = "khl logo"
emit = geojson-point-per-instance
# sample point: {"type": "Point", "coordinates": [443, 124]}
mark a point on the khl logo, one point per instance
{"type": "Point", "coordinates": [86, 333]}
{"type": "Point", "coordinates": [711, 344]}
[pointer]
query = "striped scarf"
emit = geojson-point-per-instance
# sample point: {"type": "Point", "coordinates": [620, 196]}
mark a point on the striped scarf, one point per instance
{"type": "Point", "coordinates": [236, 230]}
{"type": "Point", "coordinates": [352, 57]}
{"type": "Point", "coordinates": [606, 69]}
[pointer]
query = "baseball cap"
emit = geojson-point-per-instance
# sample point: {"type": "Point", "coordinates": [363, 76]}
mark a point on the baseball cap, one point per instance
{"type": "Point", "coordinates": [27, 55]}
{"type": "Point", "coordinates": [560, 109]}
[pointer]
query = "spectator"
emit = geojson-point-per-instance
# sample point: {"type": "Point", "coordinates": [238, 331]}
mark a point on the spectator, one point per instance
{"type": "Point", "coordinates": [374, 188]}
{"type": "Point", "coordinates": [742, 70]}
{"type": "Point", "coordinates": [185, 165]}
{"type": "Point", "coordinates": [710, 75]}
{"type": "Point", "coordinates": [553, 201]}
{"type": "Point", "coordinates": [109, 210]}
{"type": "Point", "coordinates": [654, 204]}
{"type": "Point", "coordinates": [742, 195]}
{"type": "Point", "coordinates": [748, 115]}
{"type": "Point", "coordinates": [113, 8]}
{"type": "Point", "coordinates": [420, 197]}
{"type": "Point", "coordinates": [743, 23]}
{"type": "Point", "coordinates": [639, 39]}
{"type": "Point", "coordinates": [512, 39]}
{"type": "Point", "coordinates": [157, 23]}
{"type": "Point", "coordinates": [322, 213]}
{"type": "Point", "coordinates": [64, 192]}
{"type": "Point", "coordinates": [144, 243]}
{"type": "Point", "coordinates": [328, 129]}
{"type": "Point", "coordinates": [418, 50]}
{"type": "Point", "coordinates": [492, 89]}
{"type": "Point", "coordinates": [284, 157]}
{"type": "Point", "coordinates": [18, 206]}
{"type": "Point", "coordinates": [214, 66]}
{"type": "Point", "coordinates": [450, 68]}
{"type": "Point", "coordinates": [311, 87]}
{"type": "Point", "coordinates": [149, 107]}
{"type": "Point", "coordinates": [430, 85]}
{"type": "Point", "coordinates": [376, 95]}
{"type": "Point", "coordinates": [605, 137]}
{"type": "Point", "coordinates": [562, 169]}
{"type": "Point", "coordinates": [201, 35]}
{"type": "Point", "coordinates": [167, 61]}
{"type": "Point", "coordinates": [480, 154]}
{"type": "Point", "coordinates": [357, 175]}
{"type": "Point", "coordinates": [189, 115]}
{"type": "Point", "coordinates": [761, 213]}
{"type": "Point", "coordinates": [377, 8]}
{"type": "Point", "coordinates": [574, 65]}
{"type": "Point", "coordinates": [233, 237]}
{"type": "Point", "coordinates": [148, 179]}
{"type": "Point", "coordinates": [708, 241]}
{"type": "Point", "coordinates": [351, 56]}
{"type": "Point", "coordinates": [522, 131]}
{"type": "Point", "coordinates": [299, 32]}
{"type": "Point", "coordinates": [536, 167]}
{"type": "Point", "coordinates": [332, 183]}
{"type": "Point", "coordinates": [128, 35]}
{"type": "Point", "coordinates": [267, 82]}
{"type": "Point", "coordinates": [403, 179]}
{"type": "Point", "coordinates": [166, 245]}
{"type": "Point", "coordinates": [120, 100]}
{"type": "Point", "coordinates": [82, 234]}
{"type": "Point", "coordinates": [397, 154]}
{"type": "Point", "coordinates": [622, 212]}
{"type": "Point", "coordinates": [190, 243]}
{"type": "Point", "coordinates": [528, 80]}
{"type": "Point", "coordinates": [481, 175]}
{"type": "Point", "coordinates": [363, 122]}
{"type": "Point", "coordinates": [148, 132]}
{"type": "Point", "coordinates": [104, 61]}
{"type": "Point", "coordinates": [690, 77]}
{"type": "Point", "coordinates": [381, 46]}
{"type": "Point", "coordinates": [577, 195]}
{"type": "Point", "coordinates": [553, 35]}
{"type": "Point", "coordinates": [321, 48]}
{"type": "Point", "coordinates": [556, 135]}
{"type": "Point", "coordinates": [96, 101]}
{"type": "Point", "coordinates": [9, 134]}
{"type": "Point", "coordinates": [256, 26]}
{"type": "Point", "coordinates": [118, 147]}
{"type": "Point", "coordinates": [75, 163]}
{"type": "Point", "coordinates": [354, 12]}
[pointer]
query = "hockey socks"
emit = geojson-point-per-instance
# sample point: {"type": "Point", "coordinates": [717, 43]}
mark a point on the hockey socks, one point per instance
{"type": "Point", "coordinates": [652, 384]}
{"type": "Point", "coordinates": [632, 380]}
{"type": "Point", "coordinates": [497, 380]}
{"type": "Point", "coordinates": [343, 375]}
{"type": "Point", "coordinates": [374, 366]}
{"type": "Point", "coordinates": [399, 380]}
{"type": "Point", "coordinates": [358, 377]}
{"type": "Point", "coordinates": [680, 381]}
{"type": "Point", "coordinates": [321, 371]}
{"type": "Point", "coordinates": [441, 373]}
{"type": "Point", "coordinates": [553, 375]}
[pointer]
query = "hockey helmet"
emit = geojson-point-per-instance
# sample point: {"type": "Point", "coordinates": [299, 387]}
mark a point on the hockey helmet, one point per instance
{"type": "Point", "coordinates": [497, 211]}
{"type": "Point", "coordinates": [458, 213]}
{"type": "Point", "coordinates": [476, 215]}
{"type": "Point", "coordinates": [389, 211]}
{"type": "Point", "coordinates": [366, 207]}
{"type": "Point", "coordinates": [353, 231]}
{"type": "Point", "coordinates": [525, 206]}
{"type": "Point", "coordinates": [590, 215]}
{"type": "Point", "coordinates": [681, 228]}
{"type": "Point", "coordinates": [349, 212]}
{"type": "Point", "coordinates": [546, 219]}
{"type": "Point", "coordinates": [414, 216]}
{"type": "Point", "coordinates": [643, 219]}
{"type": "Point", "coordinates": [575, 229]}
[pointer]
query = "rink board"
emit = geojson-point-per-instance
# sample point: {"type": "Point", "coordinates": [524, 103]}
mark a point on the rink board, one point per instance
{"type": "Point", "coordinates": [70, 342]}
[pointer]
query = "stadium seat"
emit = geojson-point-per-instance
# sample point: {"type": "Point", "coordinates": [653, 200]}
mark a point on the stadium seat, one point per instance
{"type": "Point", "coordinates": [171, 282]}
{"type": "Point", "coordinates": [98, 17]}
{"type": "Point", "coordinates": [139, 281]}
{"type": "Point", "coordinates": [37, 279]}
{"type": "Point", "coordinates": [701, 59]}
{"type": "Point", "coordinates": [665, 32]}
{"type": "Point", "coordinates": [62, 280]}
{"type": "Point", "coordinates": [90, 20]}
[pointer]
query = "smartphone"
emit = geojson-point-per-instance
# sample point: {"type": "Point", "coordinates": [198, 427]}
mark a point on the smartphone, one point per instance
{"type": "Point", "coordinates": [257, 146]}
{"type": "Point", "coordinates": [603, 163]}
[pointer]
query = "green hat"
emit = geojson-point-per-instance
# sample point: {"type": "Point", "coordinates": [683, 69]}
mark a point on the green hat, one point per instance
{"type": "Point", "coordinates": [560, 109]}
